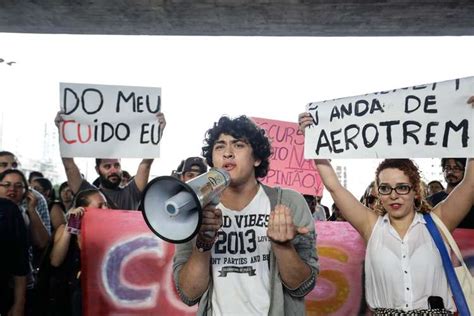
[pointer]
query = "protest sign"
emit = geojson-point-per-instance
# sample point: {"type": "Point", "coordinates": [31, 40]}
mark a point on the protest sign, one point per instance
{"type": "Point", "coordinates": [431, 120]}
{"type": "Point", "coordinates": [288, 168]}
{"type": "Point", "coordinates": [126, 270]}
{"type": "Point", "coordinates": [109, 121]}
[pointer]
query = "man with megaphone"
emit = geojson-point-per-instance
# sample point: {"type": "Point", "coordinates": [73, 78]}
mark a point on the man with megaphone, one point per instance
{"type": "Point", "coordinates": [255, 253]}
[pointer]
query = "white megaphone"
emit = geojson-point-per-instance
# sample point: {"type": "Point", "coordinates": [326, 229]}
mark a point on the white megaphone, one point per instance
{"type": "Point", "coordinates": [173, 209]}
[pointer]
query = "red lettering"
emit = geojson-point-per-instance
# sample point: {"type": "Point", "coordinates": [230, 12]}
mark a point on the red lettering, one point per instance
{"type": "Point", "coordinates": [79, 134]}
{"type": "Point", "coordinates": [68, 141]}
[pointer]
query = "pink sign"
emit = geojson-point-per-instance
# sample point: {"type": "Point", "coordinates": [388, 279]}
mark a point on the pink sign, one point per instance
{"type": "Point", "coordinates": [339, 286]}
{"type": "Point", "coordinates": [126, 270]}
{"type": "Point", "coordinates": [288, 168]}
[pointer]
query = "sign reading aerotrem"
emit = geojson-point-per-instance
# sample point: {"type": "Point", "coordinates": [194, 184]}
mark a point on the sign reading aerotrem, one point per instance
{"type": "Point", "coordinates": [430, 120]}
{"type": "Point", "coordinates": [109, 121]}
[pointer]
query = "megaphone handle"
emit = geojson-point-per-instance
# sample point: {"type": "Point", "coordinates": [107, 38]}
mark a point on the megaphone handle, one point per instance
{"type": "Point", "coordinates": [213, 202]}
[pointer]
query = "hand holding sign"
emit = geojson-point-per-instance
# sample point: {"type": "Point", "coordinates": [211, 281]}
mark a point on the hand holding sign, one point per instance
{"type": "Point", "coordinates": [471, 100]}
{"type": "Point", "coordinates": [304, 120]}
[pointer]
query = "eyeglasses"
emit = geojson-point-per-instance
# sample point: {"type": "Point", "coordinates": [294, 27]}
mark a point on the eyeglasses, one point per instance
{"type": "Point", "coordinates": [452, 169]}
{"type": "Point", "coordinates": [15, 186]}
{"type": "Point", "coordinates": [4, 164]}
{"type": "Point", "coordinates": [401, 189]}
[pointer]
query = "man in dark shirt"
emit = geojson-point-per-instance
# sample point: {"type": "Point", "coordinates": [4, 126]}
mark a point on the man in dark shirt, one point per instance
{"type": "Point", "coordinates": [453, 171]}
{"type": "Point", "coordinates": [14, 265]}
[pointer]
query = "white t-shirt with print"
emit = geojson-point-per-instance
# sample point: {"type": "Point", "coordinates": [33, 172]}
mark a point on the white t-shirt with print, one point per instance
{"type": "Point", "coordinates": [241, 259]}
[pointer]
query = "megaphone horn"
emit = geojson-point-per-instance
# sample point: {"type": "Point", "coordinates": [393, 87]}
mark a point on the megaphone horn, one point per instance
{"type": "Point", "coordinates": [172, 209]}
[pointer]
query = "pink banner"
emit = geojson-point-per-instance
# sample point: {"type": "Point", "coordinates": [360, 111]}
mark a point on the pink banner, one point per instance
{"type": "Point", "coordinates": [288, 168]}
{"type": "Point", "coordinates": [126, 270]}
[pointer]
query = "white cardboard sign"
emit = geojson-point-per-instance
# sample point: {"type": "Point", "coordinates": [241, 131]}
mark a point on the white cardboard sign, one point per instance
{"type": "Point", "coordinates": [424, 121]}
{"type": "Point", "coordinates": [107, 121]}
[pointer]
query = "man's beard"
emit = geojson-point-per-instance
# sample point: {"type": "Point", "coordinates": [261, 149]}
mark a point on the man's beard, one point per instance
{"type": "Point", "coordinates": [106, 183]}
{"type": "Point", "coordinates": [453, 181]}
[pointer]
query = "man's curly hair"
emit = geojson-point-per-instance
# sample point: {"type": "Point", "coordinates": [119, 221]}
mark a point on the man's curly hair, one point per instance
{"type": "Point", "coordinates": [240, 128]}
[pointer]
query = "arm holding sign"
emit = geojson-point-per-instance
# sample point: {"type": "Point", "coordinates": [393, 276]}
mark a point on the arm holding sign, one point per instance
{"type": "Point", "coordinates": [74, 177]}
{"type": "Point", "coordinates": [143, 172]}
{"type": "Point", "coordinates": [361, 217]}
{"type": "Point", "coordinates": [459, 202]}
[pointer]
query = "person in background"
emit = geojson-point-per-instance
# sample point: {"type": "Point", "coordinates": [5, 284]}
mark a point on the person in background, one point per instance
{"type": "Point", "coordinates": [434, 187]}
{"type": "Point", "coordinates": [336, 215]}
{"type": "Point", "coordinates": [14, 186]}
{"type": "Point", "coordinates": [190, 168]}
{"type": "Point", "coordinates": [316, 210]}
{"type": "Point", "coordinates": [454, 172]}
{"type": "Point", "coordinates": [319, 198]}
{"type": "Point", "coordinates": [369, 198]}
{"type": "Point", "coordinates": [65, 195]}
{"type": "Point", "coordinates": [33, 175]}
{"type": "Point", "coordinates": [270, 268]}
{"type": "Point", "coordinates": [14, 265]}
{"type": "Point", "coordinates": [66, 260]}
{"type": "Point", "coordinates": [9, 161]}
{"type": "Point", "coordinates": [56, 208]}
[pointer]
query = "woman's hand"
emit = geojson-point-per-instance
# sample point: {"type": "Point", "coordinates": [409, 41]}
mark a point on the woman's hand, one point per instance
{"type": "Point", "coordinates": [304, 120]}
{"type": "Point", "coordinates": [31, 201]}
{"type": "Point", "coordinates": [78, 211]}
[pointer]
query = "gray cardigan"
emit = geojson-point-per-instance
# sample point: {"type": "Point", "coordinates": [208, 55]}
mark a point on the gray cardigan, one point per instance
{"type": "Point", "coordinates": [283, 300]}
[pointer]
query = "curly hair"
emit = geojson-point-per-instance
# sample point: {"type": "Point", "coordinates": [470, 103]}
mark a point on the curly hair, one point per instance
{"type": "Point", "coordinates": [240, 128]}
{"type": "Point", "coordinates": [411, 170]}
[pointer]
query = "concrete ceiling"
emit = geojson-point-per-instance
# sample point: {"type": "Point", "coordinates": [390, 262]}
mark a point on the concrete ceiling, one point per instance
{"type": "Point", "coordinates": [240, 17]}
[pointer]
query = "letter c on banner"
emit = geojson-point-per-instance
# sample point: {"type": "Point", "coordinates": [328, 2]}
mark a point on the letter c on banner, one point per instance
{"type": "Point", "coordinates": [121, 292]}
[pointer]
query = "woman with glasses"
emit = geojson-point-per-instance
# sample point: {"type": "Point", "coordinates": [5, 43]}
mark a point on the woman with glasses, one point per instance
{"type": "Point", "coordinates": [13, 186]}
{"type": "Point", "coordinates": [403, 267]}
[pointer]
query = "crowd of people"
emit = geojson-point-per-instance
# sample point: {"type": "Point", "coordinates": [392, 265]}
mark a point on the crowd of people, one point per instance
{"type": "Point", "coordinates": [40, 230]}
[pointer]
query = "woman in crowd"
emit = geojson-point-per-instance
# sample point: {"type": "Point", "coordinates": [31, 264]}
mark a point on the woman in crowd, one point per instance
{"type": "Point", "coordinates": [66, 196]}
{"type": "Point", "coordinates": [56, 208]}
{"type": "Point", "coordinates": [370, 196]}
{"type": "Point", "coordinates": [65, 257]}
{"type": "Point", "coordinates": [14, 265]}
{"type": "Point", "coordinates": [14, 187]}
{"type": "Point", "coordinates": [403, 267]}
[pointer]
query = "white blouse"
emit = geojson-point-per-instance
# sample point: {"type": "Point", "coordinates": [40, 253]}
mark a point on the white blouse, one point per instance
{"type": "Point", "coordinates": [403, 273]}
